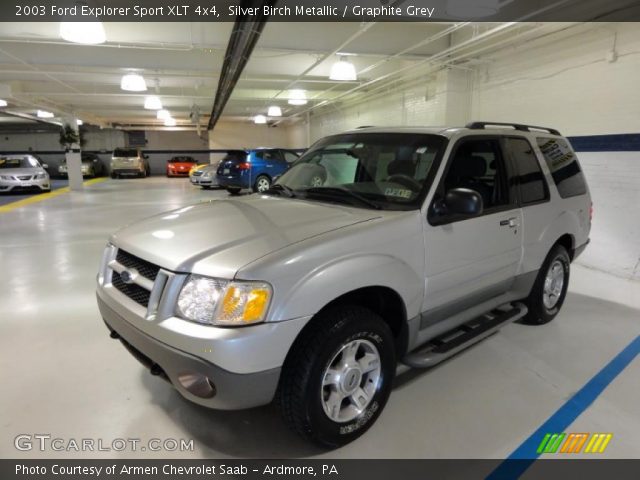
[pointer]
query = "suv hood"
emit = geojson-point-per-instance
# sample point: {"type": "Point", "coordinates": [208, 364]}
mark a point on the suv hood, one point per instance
{"type": "Point", "coordinates": [219, 237]}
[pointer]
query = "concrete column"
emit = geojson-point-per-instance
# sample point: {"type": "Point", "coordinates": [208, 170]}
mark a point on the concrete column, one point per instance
{"type": "Point", "coordinates": [74, 160]}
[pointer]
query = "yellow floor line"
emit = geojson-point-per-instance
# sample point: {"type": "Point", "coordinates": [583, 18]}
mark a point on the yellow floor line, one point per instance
{"type": "Point", "coordinates": [43, 196]}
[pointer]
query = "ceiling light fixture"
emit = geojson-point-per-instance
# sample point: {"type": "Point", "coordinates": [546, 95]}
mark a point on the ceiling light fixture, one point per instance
{"type": "Point", "coordinates": [465, 9]}
{"type": "Point", "coordinates": [343, 70]}
{"type": "Point", "coordinates": [152, 103]}
{"type": "Point", "coordinates": [163, 114]}
{"type": "Point", "coordinates": [297, 97]}
{"type": "Point", "coordinates": [44, 114]}
{"type": "Point", "coordinates": [169, 122]}
{"type": "Point", "coordinates": [259, 119]}
{"type": "Point", "coordinates": [87, 33]}
{"type": "Point", "coordinates": [3, 103]}
{"type": "Point", "coordinates": [79, 122]}
{"type": "Point", "coordinates": [274, 111]}
{"type": "Point", "coordinates": [132, 82]}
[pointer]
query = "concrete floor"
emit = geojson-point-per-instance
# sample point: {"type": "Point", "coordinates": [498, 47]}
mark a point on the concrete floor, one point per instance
{"type": "Point", "coordinates": [62, 375]}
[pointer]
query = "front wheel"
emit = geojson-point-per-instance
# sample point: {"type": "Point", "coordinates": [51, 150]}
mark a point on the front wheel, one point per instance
{"type": "Point", "coordinates": [337, 378]}
{"type": "Point", "coordinates": [550, 288]}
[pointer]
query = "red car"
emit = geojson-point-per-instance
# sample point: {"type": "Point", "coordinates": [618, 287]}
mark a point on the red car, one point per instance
{"type": "Point", "coordinates": [180, 166]}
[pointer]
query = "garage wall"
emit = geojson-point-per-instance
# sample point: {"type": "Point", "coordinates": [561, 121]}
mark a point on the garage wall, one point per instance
{"type": "Point", "coordinates": [174, 140]}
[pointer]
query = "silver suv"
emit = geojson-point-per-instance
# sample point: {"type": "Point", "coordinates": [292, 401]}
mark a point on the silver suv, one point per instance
{"type": "Point", "coordinates": [378, 246]}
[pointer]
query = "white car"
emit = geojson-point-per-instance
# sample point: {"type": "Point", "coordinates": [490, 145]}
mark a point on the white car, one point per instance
{"type": "Point", "coordinates": [23, 172]}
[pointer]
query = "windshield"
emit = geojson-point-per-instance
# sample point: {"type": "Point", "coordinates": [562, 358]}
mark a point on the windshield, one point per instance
{"type": "Point", "coordinates": [182, 160]}
{"type": "Point", "coordinates": [373, 170]}
{"type": "Point", "coordinates": [125, 152]}
{"type": "Point", "coordinates": [18, 162]}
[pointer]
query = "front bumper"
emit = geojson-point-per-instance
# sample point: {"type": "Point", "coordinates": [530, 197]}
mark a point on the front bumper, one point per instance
{"type": "Point", "coordinates": [195, 378]}
{"type": "Point", "coordinates": [204, 181]}
{"type": "Point", "coordinates": [42, 184]}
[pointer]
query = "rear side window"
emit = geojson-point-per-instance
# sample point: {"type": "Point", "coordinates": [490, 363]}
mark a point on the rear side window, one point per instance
{"type": "Point", "coordinates": [564, 167]}
{"type": "Point", "coordinates": [125, 152]}
{"type": "Point", "coordinates": [235, 156]}
{"type": "Point", "coordinates": [531, 183]}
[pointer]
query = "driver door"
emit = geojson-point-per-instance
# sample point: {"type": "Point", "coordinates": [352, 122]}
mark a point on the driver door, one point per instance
{"type": "Point", "coordinates": [472, 260]}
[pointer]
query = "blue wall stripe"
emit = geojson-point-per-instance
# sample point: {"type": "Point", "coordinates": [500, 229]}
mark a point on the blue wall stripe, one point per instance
{"type": "Point", "coordinates": [623, 142]}
{"type": "Point", "coordinates": [523, 456]}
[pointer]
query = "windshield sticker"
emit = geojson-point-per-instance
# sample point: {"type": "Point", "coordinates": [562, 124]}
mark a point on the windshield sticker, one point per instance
{"type": "Point", "coordinates": [397, 192]}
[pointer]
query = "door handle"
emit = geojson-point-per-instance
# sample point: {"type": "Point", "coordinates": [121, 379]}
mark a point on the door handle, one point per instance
{"type": "Point", "coordinates": [510, 222]}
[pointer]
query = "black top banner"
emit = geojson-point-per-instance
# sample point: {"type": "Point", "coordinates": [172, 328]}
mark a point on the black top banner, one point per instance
{"type": "Point", "coordinates": [320, 10]}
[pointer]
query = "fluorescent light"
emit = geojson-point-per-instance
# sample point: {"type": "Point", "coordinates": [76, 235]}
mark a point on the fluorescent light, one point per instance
{"type": "Point", "coordinates": [44, 114]}
{"type": "Point", "coordinates": [3, 103]}
{"type": "Point", "coordinates": [259, 119]}
{"type": "Point", "coordinates": [343, 70]}
{"type": "Point", "coordinates": [274, 111]}
{"type": "Point", "coordinates": [152, 103]}
{"type": "Point", "coordinates": [297, 97]}
{"type": "Point", "coordinates": [132, 82]}
{"type": "Point", "coordinates": [472, 9]}
{"type": "Point", "coordinates": [163, 114]}
{"type": "Point", "coordinates": [169, 122]}
{"type": "Point", "coordinates": [79, 122]}
{"type": "Point", "coordinates": [88, 33]}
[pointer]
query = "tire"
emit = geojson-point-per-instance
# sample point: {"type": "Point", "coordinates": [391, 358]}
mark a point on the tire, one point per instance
{"type": "Point", "coordinates": [233, 190]}
{"type": "Point", "coordinates": [550, 288]}
{"type": "Point", "coordinates": [262, 183]}
{"type": "Point", "coordinates": [305, 403]}
{"type": "Point", "coordinates": [113, 175]}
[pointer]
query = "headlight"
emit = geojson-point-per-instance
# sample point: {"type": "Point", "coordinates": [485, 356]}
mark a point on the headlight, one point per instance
{"type": "Point", "coordinates": [5, 177]}
{"type": "Point", "coordinates": [220, 302]}
{"type": "Point", "coordinates": [207, 174]}
{"type": "Point", "coordinates": [62, 168]}
{"type": "Point", "coordinates": [42, 175]}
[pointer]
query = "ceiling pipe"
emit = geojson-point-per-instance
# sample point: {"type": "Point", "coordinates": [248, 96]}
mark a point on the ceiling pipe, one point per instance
{"type": "Point", "coordinates": [244, 36]}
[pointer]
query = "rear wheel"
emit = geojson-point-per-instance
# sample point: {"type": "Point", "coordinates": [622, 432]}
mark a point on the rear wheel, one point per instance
{"type": "Point", "coordinates": [550, 288]}
{"type": "Point", "coordinates": [263, 183]}
{"type": "Point", "coordinates": [234, 190]}
{"type": "Point", "coordinates": [337, 378]}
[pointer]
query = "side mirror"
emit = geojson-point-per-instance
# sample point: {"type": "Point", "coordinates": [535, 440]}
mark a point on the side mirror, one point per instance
{"type": "Point", "coordinates": [459, 201]}
{"type": "Point", "coordinates": [45, 166]}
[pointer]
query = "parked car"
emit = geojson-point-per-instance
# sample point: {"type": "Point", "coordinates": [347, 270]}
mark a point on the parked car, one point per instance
{"type": "Point", "coordinates": [91, 166]}
{"type": "Point", "coordinates": [205, 176]}
{"type": "Point", "coordinates": [180, 166]}
{"type": "Point", "coordinates": [129, 162]}
{"type": "Point", "coordinates": [23, 172]}
{"type": "Point", "coordinates": [378, 246]}
{"type": "Point", "coordinates": [254, 169]}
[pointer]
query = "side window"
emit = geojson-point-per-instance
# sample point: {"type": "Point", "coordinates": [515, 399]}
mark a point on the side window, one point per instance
{"type": "Point", "coordinates": [563, 165]}
{"type": "Point", "coordinates": [531, 183]}
{"type": "Point", "coordinates": [477, 164]}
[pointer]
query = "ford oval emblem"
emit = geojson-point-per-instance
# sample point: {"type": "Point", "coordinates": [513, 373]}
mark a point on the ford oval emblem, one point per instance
{"type": "Point", "coordinates": [127, 277]}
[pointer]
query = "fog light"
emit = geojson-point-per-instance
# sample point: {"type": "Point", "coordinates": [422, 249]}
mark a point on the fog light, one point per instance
{"type": "Point", "coordinates": [197, 384]}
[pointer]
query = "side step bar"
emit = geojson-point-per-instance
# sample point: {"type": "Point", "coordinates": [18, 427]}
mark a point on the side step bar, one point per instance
{"type": "Point", "coordinates": [456, 340]}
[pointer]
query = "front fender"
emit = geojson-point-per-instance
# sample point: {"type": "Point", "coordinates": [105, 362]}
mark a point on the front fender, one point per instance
{"type": "Point", "coordinates": [342, 275]}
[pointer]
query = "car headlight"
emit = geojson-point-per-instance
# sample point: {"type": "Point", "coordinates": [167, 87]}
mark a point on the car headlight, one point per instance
{"type": "Point", "coordinates": [5, 177]}
{"type": "Point", "coordinates": [221, 302]}
{"type": "Point", "coordinates": [207, 174]}
{"type": "Point", "coordinates": [42, 175]}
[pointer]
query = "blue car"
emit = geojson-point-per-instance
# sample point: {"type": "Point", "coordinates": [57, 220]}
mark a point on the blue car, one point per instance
{"type": "Point", "coordinates": [254, 169]}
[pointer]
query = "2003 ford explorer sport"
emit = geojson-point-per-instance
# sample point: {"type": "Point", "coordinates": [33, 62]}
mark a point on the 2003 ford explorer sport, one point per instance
{"type": "Point", "coordinates": [378, 246]}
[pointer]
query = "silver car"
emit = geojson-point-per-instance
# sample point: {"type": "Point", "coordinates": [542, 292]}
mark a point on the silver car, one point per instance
{"type": "Point", "coordinates": [377, 246]}
{"type": "Point", "coordinates": [205, 177]}
{"type": "Point", "coordinates": [91, 166]}
{"type": "Point", "coordinates": [23, 172]}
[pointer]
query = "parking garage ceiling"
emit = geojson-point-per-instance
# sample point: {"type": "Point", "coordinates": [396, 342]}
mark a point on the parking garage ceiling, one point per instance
{"type": "Point", "coordinates": [181, 62]}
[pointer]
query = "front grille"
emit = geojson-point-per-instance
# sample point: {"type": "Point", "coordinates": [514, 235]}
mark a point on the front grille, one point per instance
{"type": "Point", "coordinates": [146, 269]}
{"type": "Point", "coordinates": [133, 291]}
{"type": "Point", "coordinates": [24, 177]}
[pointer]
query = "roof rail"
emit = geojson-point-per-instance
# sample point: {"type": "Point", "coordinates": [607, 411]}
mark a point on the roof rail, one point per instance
{"type": "Point", "coordinates": [517, 126]}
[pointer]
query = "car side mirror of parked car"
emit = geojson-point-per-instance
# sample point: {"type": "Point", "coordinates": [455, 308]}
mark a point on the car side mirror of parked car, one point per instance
{"type": "Point", "coordinates": [459, 201]}
{"type": "Point", "coordinates": [45, 166]}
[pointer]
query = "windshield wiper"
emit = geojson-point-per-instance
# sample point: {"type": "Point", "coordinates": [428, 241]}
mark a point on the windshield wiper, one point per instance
{"type": "Point", "coordinates": [280, 189]}
{"type": "Point", "coordinates": [344, 191]}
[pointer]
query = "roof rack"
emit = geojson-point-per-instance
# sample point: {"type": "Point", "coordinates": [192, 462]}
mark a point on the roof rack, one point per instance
{"type": "Point", "coordinates": [517, 126]}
